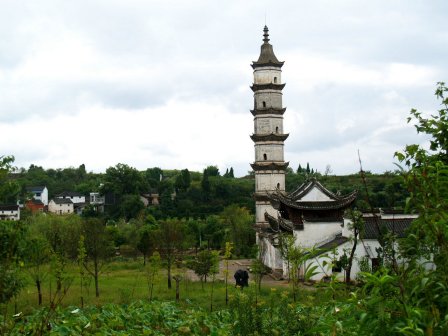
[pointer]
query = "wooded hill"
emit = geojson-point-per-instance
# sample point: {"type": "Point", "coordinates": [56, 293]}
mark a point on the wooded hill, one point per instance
{"type": "Point", "coordinates": [185, 194]}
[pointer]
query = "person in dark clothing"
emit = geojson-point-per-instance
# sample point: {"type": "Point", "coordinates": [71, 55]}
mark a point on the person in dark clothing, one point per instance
{"type": "Point", "coordinates": [241, 278]}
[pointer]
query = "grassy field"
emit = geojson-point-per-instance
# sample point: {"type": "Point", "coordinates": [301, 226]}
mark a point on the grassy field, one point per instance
{"type": "Point", "coordinates": [123, 282]}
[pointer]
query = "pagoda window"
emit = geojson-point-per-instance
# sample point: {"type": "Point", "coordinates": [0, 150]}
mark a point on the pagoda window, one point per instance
{"type": "Point", "coordinates": [276, 129]}
{"type": "Point", "coordinates": [265, 156]}
{"type": "Point", "coordinates": [264, 104]}
{"type": "Point", "coordinates": [278, 185]}
{"type": "Point", "coordinates": [275, 80]}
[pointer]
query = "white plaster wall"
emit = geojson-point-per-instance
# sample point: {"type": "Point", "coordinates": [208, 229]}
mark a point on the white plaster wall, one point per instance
{"type": "Point", "coordinates": [44, 197]}
{"type": "Point", "coordinates": [13, 215]}
{"type": "Point", "coordinates": [271, 256]}
{"type": "Point", "coordinates": [267, 124]}
{"type": "Point", "coordinates": [272, 98]}
{"type": "Point", "coordinates": [315, 233]}
{"type": "Point", "coordinates": [78, 199]}
{"type": "Point", "coordinates": [274, 152]}
{"type": "Point", "coordinates": [365, 248]}
{"type": "Point", "coordinates": [315, 195]}
{"type": "Point", "coordinates": [261, 208]}
{"type": "Point", "coordinates": [269, 181]}
{"type": "Point", "coordinates": [266, 76]}
{"type": "Point", "coordinates": [57, 208]}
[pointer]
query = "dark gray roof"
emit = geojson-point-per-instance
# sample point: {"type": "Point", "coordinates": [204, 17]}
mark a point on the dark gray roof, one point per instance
{"type": "Point", "coordinates": [269, 165]}
{"type": "Point", "coordinates": [269, 137]}
{"type": "Point", "coordinates": [70, 194]}
{"type": "Point", "coordinates": [34, 201]}
{"type": "Point", "coordinates": [338, 240]}
{"type": "Point", "coordinates": [268, 110]}
{"type": "Point", "coordinates": [36, 189]}
{"type": "Point", "coordinates": [62, 201]}
{"type": "Point", "coordinates": [293, 200]}
{"type": "Point", "coordinates": [373, 224]}
{"type": "Point", "coordinates": [9, 207]}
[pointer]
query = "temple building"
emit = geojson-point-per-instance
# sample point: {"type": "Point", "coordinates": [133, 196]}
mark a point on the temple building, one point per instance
{"type": "Point", "coordinates": [312, 214]}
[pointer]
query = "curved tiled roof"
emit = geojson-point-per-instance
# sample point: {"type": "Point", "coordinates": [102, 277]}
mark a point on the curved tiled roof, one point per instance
{"type": "Point", "coordinates": [269, 165]}
{"type": "Point", "coordinates": [279, 224]}
{"type": "Point", "coordinates": [269, 137]}
{"type": "Point", "coordinates": [269, 110]}
{"type": "Point", "coordinates": [70, 194]}
{"type": "Point", "coordinates": [397, 226]}
{"type": "Point", "coordinates": [293, 199]}
{"type": "Point", "coordinates": [267, 86]}
{"type": "Point", "coordinates": [305, 187]}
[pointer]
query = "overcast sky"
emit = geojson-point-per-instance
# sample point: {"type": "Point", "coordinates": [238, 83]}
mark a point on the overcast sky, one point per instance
{"type": "Point", "coordinates": [166, 83]}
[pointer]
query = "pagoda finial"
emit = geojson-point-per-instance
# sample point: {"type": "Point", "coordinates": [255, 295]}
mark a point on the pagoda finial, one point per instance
{"type": "Point", "coordinates": [266, 34]}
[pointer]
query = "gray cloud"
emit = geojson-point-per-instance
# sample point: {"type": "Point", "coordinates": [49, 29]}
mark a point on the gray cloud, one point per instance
{"type": "Point", "coordinates": [353, 71]}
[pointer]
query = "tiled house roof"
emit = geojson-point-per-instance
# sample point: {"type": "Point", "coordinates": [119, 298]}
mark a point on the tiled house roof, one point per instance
{"type": "Point", "coordinates": [398, 226]}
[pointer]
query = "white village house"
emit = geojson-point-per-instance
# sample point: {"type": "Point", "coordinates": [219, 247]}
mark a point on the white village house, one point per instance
{"type": "Point", "coordinates": [9, 212]}
{"type": "Point", "coordinates": [312, 214]}
{"type": "Point", "coordinates": [61, 206]}
{"type": "Point", "coordinates": [78, 200]}
{"type": "Point", "coordinates": [39, 193]}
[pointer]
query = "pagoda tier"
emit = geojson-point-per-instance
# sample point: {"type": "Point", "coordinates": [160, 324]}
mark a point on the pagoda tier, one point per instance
{"type": "Point", "coordinates": [269, 165]}
{"type": "Point", "coordinates": [269, 110]}
{"type": "Point", "coordinates": [269, 137]}
{"type": "Point", "coordinates": [267, 86]}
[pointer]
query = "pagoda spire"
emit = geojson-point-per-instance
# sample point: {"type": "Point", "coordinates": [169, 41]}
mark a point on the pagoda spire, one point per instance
{"type": "Point", "coordinates": [266, 34]}
{"type": "Point", "coordinates": [267, 56]}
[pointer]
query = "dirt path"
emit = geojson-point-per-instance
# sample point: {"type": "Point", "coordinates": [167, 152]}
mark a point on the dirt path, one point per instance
{"type": "Point", "coordinates": [235, 265]}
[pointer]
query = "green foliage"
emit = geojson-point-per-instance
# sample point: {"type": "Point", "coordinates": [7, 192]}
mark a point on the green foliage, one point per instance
{"type": "Point", "coordinates": [138, 318]}
{"type": "Point", "coordinates": [9, 188]}
{"type": "Point", "coordinates": [203, 264]}
{"type": "Point", "coordinates": [183, 180]}
{"type": "Point", "coordinates": [238, 223]}
{"type": "Point", "coordinates": [212, 171]}
{"type": "Point", "coordinates": [145, 242]}
{"type": "Point", "coordinates": [11, 253]}
{"type": "Point", "coordinates": [170, 238]}
{"type": "Point", "coordinates": [98, 246]}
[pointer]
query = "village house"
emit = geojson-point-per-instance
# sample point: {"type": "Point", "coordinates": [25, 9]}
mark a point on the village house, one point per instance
{"type": "Point", "coordinates": [78, 200]}
{"type": "Point", "coordinates": [61, 206]}
{"type": "Point", "coordinates": [35, 206]}
{"type": "Point", "coordinates": [10, 212]}
{"type": "Point", "coordinates": [39, 193]}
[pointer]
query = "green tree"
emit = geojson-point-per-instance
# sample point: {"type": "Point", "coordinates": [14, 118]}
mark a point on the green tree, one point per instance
{"type": "Point", "coordinates": [152, 271]}
{"type": "Point", "coordinates": [356, 226]}
{"type": "Point", "coordinates": [122, 180]}
{"type": "Point", "coordinates": [37, 256]}
{"type": "Point", "coordinates": [99, 248]}
{"type": "Point", "coordinates": [416, 294]}
{"type": "Point", "coordinates": [212, 171]}
{"type": "Point", "coordinates": [238, 223]}
{"type": "Point", "coordinates": [145, 242]}
{"type": "Point", "coordinates": [130, 206]}
{"type": "Point", "coordinates": [202, 265]}
{"type": "Point", "coordinates": [183, 180]}
{"type": "Point", "coordinates": [9, 188]}
{"type": "Point", "coordinates": [11, 255]}
{"type": "Point", "coordinates": [205, 183]}
{"type": "Point", "coordinates": [170, 240]}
